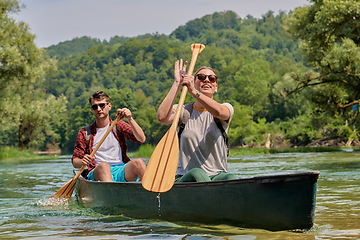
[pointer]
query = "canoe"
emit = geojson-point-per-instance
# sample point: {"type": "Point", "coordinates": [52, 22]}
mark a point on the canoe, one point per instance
{"type": "Point", "coordinates": [273, 202]}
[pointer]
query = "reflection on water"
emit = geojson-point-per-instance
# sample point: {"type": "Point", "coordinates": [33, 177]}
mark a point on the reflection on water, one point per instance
{"type": "Point", "coordinates": [25, 212]}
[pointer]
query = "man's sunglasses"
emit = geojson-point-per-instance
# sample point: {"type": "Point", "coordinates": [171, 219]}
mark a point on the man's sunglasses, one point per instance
{"type": "Point", "coordinates": [101, 105]}
{"type": "Point", "coordinates": [202, 77]}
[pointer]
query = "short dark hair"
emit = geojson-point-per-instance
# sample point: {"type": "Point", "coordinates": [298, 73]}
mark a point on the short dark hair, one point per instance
{"type": "Point", "coordinates": [99, 95]}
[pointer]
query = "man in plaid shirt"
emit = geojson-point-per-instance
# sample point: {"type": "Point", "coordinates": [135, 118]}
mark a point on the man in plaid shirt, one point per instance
{"type": "Point", "coordinates": [110, 162]}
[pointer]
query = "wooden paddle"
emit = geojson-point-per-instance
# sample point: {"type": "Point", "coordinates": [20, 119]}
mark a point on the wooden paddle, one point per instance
{"type": "Point", "coordinates": [160, 172]}
{"type": "Point", "coordinates": [67, 190]}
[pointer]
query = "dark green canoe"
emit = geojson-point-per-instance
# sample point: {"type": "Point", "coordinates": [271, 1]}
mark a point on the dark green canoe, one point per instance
{"type": "Point", "coordinates": [276, 202]}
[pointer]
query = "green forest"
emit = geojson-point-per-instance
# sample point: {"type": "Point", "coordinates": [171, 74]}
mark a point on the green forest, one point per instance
{"type": "Point", "coordinates": [293, 78]}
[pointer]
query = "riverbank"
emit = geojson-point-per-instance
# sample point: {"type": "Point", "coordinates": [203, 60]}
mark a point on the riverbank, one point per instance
{"type": "Point", "coordinates": [145, 151]}
{"type": "Point", "coordinates": [13, 153]}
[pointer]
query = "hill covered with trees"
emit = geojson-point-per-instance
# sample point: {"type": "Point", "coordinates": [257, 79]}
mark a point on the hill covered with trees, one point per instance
{"type": "Point", "coordinates": [257, 62]}
{"type": "Point", "coordinates": [250, 56]}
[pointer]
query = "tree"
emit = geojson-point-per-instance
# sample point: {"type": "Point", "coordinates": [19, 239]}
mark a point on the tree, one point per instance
{"type": "Point", "coordinates": [26, 111]}
{"type": "Point", "coordinates": [329, 31]}
{"type": "Point", "coordinates": [254, 89]}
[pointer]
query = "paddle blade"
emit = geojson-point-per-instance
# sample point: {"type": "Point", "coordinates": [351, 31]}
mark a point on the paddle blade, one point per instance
{"type": "Point", "coordinates": [66, 190]}
{"type": "Point", "coordinates": [161, 169]}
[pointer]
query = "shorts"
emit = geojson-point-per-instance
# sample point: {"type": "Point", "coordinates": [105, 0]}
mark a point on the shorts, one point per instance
{"type": "Point", "coordinates": [117, 173]}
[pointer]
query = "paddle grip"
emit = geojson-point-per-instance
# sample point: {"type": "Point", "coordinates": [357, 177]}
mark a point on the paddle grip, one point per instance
{"type": "Point", "coordinates": [196, 50]}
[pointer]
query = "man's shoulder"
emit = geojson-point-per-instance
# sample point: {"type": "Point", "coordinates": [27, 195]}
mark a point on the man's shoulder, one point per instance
{"type": "Point", "coordinates": [87, 130]}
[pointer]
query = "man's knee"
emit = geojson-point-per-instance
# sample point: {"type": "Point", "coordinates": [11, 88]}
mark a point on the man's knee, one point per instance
{"type": "Point", "coordinates": [134, 169]}
{"type": "Point", "coordinates": [102, 172]}
{"type": "Point", "coordinates": [103, 166]}
{"type": "Point", "coordinates": [137, 163]}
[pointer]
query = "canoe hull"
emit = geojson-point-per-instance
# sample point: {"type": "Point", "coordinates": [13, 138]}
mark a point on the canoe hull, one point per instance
{"type": "Point", "coordinates": [278, 202]}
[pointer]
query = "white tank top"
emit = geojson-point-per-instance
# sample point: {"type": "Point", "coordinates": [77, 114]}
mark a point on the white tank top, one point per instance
{"type": "Point", "coordinates": [110, 150]}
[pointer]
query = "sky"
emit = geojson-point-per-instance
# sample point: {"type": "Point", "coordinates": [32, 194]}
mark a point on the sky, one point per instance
{"type": "Point", "coordinates": [55, 21]}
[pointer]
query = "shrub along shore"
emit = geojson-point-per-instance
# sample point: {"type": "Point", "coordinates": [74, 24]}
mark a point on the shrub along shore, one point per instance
{"type": "Point", "coordinates": [145, 151]}
{"type": "Point", "coordinates": [13, 153]}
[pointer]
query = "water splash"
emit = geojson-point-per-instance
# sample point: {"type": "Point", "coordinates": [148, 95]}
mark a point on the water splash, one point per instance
{"type": "Point", "coordinates": [53, 202]}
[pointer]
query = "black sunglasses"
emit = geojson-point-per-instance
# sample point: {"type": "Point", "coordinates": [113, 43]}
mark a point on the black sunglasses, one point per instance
{"type": "Point", "coordinates": [202, 77]}
{"type": "Point", "coordinates": [101, 105]}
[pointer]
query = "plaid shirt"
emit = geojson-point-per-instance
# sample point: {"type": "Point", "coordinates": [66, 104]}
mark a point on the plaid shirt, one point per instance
{"type": "Point", "coordinates": [123, 131]}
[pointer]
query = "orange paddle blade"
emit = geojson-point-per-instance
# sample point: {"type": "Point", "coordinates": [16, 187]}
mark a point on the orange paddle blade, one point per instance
{"type": "Point", "coordinates": [66, 190]}
{"type": "Point", "coordinates": [161, 169]}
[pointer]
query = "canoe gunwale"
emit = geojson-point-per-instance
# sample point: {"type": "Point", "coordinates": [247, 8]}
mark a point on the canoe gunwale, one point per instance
{"type": "Point", "coordinates": [266, 179]}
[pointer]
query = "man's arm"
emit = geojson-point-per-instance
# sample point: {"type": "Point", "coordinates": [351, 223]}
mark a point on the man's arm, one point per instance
{"type": "Point", "coordinates": [136, 129]}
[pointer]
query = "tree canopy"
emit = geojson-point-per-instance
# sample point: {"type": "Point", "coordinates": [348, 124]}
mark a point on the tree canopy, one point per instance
{"type": "Point", "coordinates": [296, 83]}
{"type": "Point", "coordinates": [329, 32]}
{"type": "Point", "coordinates": [249, 55]}
{"type": "Point", "coordinates": [27, 111]}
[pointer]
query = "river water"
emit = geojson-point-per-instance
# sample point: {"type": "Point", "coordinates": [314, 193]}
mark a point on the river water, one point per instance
{"type": "Point", "coordinates": [26, 187]}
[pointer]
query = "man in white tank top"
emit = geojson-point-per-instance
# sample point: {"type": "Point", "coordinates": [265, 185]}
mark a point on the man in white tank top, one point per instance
{"type": "Point", "coordinates": [110, 162]}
